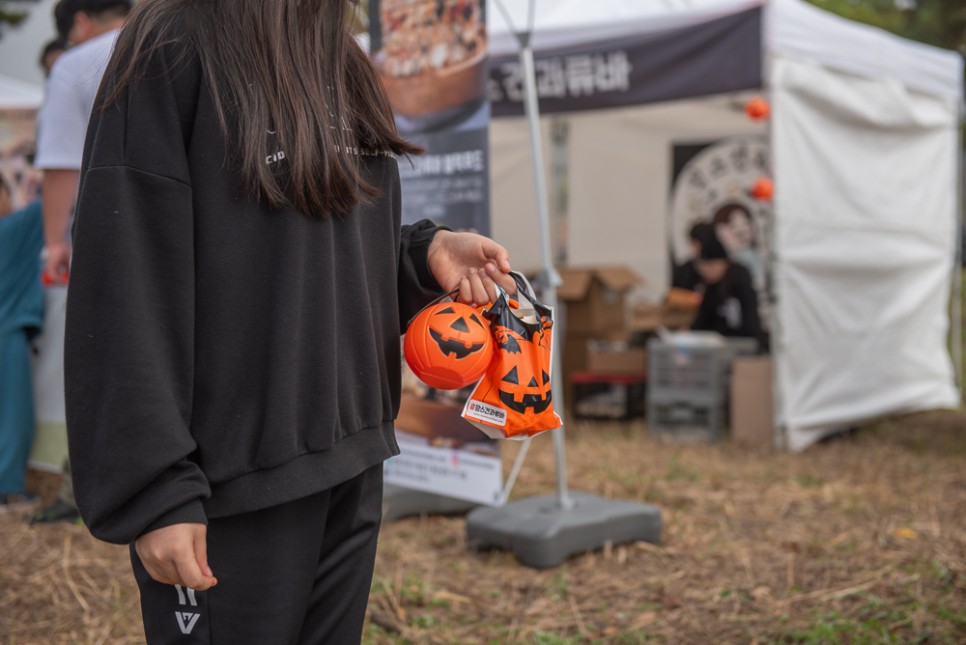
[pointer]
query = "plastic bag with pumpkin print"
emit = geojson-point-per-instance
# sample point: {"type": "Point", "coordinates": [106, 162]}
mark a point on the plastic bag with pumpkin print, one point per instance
{"type": "Point", "coordinates": [514, 399]}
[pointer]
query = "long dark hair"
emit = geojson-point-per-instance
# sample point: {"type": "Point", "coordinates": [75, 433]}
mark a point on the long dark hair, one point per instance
{"type": "Point", "coordinates": [289, 66]}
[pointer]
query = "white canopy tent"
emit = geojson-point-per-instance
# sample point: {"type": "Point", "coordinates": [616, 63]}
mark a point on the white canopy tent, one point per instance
{"type": "Point", "coordinates": [19, 95]}
{"type": "Point", "coordinates": [864, 148]}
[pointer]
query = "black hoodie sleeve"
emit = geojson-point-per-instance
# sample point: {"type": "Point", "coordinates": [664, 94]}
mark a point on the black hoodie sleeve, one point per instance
{"type": "Point", "coordinates": [129, 346]}
{"type": "Point", "coordinates": [417, 286]}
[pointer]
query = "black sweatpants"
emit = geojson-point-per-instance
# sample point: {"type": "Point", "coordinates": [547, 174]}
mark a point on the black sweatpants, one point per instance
{"type": "Point", "coordinates": [298, 573]}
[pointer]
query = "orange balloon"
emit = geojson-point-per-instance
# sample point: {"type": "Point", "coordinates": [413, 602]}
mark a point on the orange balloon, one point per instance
{"type": "Point", "coordinates": [757, 109]}
{"type": "Point", "coordinates": [763, 189]}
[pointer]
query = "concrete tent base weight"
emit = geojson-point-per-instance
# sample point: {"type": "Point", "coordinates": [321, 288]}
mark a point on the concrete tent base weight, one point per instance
{"type": "Point", "coordinates": [399, 502]}
{"type": "Point", "coordinates": [542, 533]}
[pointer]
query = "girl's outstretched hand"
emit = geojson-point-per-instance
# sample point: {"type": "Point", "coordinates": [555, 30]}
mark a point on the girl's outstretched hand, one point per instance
{"type": "Point", "coordinates": [472, 263]}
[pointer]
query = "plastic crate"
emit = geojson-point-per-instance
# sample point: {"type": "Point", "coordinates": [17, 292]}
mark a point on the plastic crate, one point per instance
{"type": "Point", "coordinates": [686, 371]}
{"type": "Point", "coordinates": [687, 422]}
{"type": "Point", "coordinates": [608, 396]}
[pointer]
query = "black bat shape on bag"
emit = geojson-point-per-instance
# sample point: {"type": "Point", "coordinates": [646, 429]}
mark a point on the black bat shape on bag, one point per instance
{"type": "Point", "coordinates": [507, 341]}
{"type": "Point", "coordinates": [454, 347]}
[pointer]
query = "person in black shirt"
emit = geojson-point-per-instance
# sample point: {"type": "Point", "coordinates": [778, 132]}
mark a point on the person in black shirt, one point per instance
{"type": "Point", "coordinates": [730, 303]}
{"type": "Point", "coordinates": [239, 284]}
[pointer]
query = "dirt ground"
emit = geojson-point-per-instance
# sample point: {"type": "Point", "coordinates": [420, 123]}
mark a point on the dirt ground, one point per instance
{"type": "Point", "coordinates": [858, 540]}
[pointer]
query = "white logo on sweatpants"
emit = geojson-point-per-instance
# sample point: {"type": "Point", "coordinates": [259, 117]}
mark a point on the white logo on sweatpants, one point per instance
{"type": "Point", "coordinates": [191, 596]}
{"type": "Point", "coordinates": [186, 621]}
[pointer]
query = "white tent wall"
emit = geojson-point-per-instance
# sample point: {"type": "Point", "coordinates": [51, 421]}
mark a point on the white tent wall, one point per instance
{"type": "Point", "coordinates": [865, 174]}
{"type": "Point", "coordinates": [513, 202]}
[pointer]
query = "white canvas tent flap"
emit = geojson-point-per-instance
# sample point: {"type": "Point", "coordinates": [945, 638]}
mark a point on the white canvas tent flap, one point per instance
{"type": "Point", "coordinates": [865, 230]}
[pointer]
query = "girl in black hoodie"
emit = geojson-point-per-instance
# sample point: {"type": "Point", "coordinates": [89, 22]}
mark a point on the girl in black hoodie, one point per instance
{"type": "Point", "coordinates": [239, 281]}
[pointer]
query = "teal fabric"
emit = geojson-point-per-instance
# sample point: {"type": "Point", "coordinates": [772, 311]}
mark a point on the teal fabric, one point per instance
{"type": "Point", "coordinates": [21, 294]}
{"type": "Point", "coordinates": [16, 411]}
{"type": "Point", "coordinates": [21, 316]}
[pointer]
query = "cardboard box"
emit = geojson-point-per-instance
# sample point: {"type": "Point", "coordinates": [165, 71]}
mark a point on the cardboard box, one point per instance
{"type": "Point", "coordinates": [594, 298]}
{"type": "Point", "coordinates": [678, 319]}
{"type": "Point", "coordinates": [647, 317]}
{"type": "Point", "coordinates": [616, 357]}
{"type": "Point", "coordinates": [752, 402]}
{"type": "Point", "coordinates": [577, 349]}
{"type": "Point", "coordinates": [575, 357]}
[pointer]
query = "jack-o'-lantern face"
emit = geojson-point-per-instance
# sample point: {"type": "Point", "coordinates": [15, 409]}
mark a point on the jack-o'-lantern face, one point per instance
{"type": "Point", "coordinates": [524, 386]}
{"type": "Point", "coordinates": [515, 396]}
{"type": "Point", "coordinates": [448, 345]}
{"type": "Point", "coordinates": [458, 333]}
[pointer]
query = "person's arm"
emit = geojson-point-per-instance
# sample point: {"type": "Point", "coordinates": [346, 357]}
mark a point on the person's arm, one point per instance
{"type": "Point", "coordinates": [62, 126]}
{"type": "Point", "coordinates": [59, 195]}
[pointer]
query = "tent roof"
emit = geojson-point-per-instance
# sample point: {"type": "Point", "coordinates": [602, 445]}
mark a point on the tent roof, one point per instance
{"type": "Point", "coordinates": [565, 23]}
{"type": "Point", "coordinates": [793, 27]}
{"type": "Point", "coordinates": [17, 94]}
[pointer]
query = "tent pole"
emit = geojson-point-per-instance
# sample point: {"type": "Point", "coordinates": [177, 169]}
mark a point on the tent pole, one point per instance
{"type": "Point", "coordinates": [552, 278]}
{"type": "Point", "coordinates": [957, 284]}
{"type": "Point", "coordinates": [779, 430]}
{"type": "Point", "coordinates": [544, 531]}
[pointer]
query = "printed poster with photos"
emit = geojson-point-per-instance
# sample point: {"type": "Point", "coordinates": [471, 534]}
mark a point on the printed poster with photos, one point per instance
{"type": "Point", "coordinates": [711, 183]}
{"type": "Point", "coordinates": [432, 58]}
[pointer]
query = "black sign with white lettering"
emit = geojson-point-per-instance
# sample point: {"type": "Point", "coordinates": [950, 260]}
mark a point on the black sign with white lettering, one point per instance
{"type": "Point", "coordinates": [716, 57]}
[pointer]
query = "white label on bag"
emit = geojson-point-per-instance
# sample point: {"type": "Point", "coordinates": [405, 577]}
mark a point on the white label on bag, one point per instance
{"type": "Point", "coordinates": [485, 412]}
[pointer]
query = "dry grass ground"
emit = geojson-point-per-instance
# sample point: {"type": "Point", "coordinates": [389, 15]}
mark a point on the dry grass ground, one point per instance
{"type": "Point", "coordinates": [860, 540]}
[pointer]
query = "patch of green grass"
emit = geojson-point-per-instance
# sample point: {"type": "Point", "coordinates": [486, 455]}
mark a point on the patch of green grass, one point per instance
{"type": "Point", "coordinates": [378, 586]}
{"type": "Point", "coordinates": [559, 586]}
{"type": "Point", "coordinates": [373, 633]}
{"type": "Point", "coordinates": [414, 590]}
{"type": "Point", "coordinates": [677, 471]}
{"type": "Point", "coordinates": [633, 638]}
{"type": "Point", "coordinates": [425, 621]}
{"type": "Point", "coordinates": [740, 594]}
{"type": "Point", "coordinates": [806, 480]}
{"type": "Point", "coordinates": [874, 622]}
{"type": "Point", "coordinates": [955, 616]}
{"type": "Point", "coordinates": [548, 638]}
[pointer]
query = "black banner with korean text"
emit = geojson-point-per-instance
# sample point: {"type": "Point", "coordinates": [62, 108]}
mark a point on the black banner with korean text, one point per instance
{"type": "Point", "coordinates": [716, 57]}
